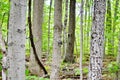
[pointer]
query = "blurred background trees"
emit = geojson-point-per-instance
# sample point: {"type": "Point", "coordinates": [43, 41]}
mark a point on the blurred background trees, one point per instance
{"type": "Point", "coordinates": [74, 20]}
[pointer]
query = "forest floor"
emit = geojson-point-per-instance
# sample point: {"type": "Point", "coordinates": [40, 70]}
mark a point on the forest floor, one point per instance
{"type": "Point", "coordinates": [71, 71]}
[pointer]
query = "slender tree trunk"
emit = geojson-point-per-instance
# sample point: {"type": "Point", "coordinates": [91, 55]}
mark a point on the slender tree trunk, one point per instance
{"type": "Point", "coordinates": [4, 60]}
{"type": "Point", "coordinates": [57, 40]}
{"type": "Point", "coordinates": [3, 16]}
{"type": "Point", "coordinates": [16, 40]}
{"type": "Point", "coordinates": [64, 27]}
{"type": "Point", "coordinates": [97, 41]}
{"type": "Point", "coordinates": [69, 57]}
{"type": "Point", "coordinates": [118, 59]}
{"type": "Point", "coordinates": [37, 35]}
{"type": "Point", "coordinates": [109, 27]}
{"type": "Point", "coordinates": [4, 50]}
{"type": "Point", "coordinates": [49, 28]}
{"type": "Point", "coordinates": [89, 25]}
{"type": "Point", "coordinates": [32, 40]}
{"type": "Point", "coordinates": [85, 27]}
{"type": "Point", "coordinates": [81, 38]}
{"type": "Point", "coordinates": [114, 23]}
{"type": "Point", "coordinates": [114, 28]}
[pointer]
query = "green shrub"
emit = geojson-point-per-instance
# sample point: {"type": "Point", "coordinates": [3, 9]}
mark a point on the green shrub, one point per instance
{"type": "Point", "coordinates": [35, 78]}
{"type": "Point", "coordinates": [113, 67]}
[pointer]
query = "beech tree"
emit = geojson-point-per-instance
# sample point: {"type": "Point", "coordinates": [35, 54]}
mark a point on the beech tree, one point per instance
{"type": "Point", "coordinates": [81, 38]}
{"type": "Point", "coordinates": [65, 26]}
{"type": "Point", "coordinates": [57, 40]}
{"type": "Point", "coordinates": [69, 57]}
{"type": "Point", "coordinates": [68, 37]}
{"type": "Point", "coordinates": [16, 40]}
{"type": "Point", "coordinates": [97, 40]}
{"type": "Point", "coordinates": [37, 35]}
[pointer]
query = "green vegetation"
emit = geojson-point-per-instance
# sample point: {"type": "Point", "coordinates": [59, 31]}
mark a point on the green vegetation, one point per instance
{"type": "Point", "coordinates": [112, 33]}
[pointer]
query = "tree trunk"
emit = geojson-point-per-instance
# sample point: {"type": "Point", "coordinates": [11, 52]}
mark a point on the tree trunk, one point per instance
{"type": "Point", "coordinates": [118, 59]}
{"type": "Point", "coordinates": [97, 40]}
{"type": "Point", "coordinates": [57, 41]}
{"type": "Point", "coordinates": [114, 28]}
{"type": "Point", "coordinates": [81, 38]}
{"type": "Point", "coordinates": [16, 40]}
{"type": "Point", "coordinates": [64, 28]}
{"type": "Point", "coordinates": [109, 27]}
{"type": "Point", "coordinates": [49, 29]}
{"type": "Point", "coordinates": [37, 35]}
{"type": "Point", "coordinates": [114, 24]}
{"type": "Point", "coordinates": [3, 51]}
{"type": "Point", "coordinates": [69, 57]}
{"type": "Point", "coordinates": [4, 59]}
{"type": "Point", "coordinates": [85, 27]}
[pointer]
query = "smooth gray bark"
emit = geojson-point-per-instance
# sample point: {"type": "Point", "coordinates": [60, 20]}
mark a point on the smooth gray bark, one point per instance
{"type": "Point", "coordinates": [37, 34]}
{"type": "Point", "coordinates": [64, 27]}
{"type": "Point", "coordinates": [81, 38]}
{"type": "Point", "coordinates": [69, 57]}
{"type": "Point", "coordinates": [57, 41]}
{"type": "Point", "coordinates": [97, 40]}
{"type": "Point", "coordinates": [16, 40]}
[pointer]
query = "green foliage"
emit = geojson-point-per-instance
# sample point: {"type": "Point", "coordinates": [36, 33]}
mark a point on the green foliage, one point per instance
{"type": "Point", "coordinates": [27, 72]}
{"type": "Point", "coordinates": [0, 67]}
{"type": "Point", "coordinates": [85, 70]}
{"type": "Point", "coordinates": [4, 10]}
{"type": "Point", "coordinates": [0, 62]}
{"type": "Point", "coordinates": [113, 67]}
{"type": "Point", "coordinates": [63, 64]}
{"type": "Point", "coordinates": [1, 56]}
{"type": "Point", "coordinates": [35, 78]}
{"type": "Point", "coordinates": [77, 71]}
{"type": "Point", "coordinates": [44, 79]}
{"type": "Point", "coordinates": [32, 78]}
{"type": "Point", "coordinates": [45, 29]}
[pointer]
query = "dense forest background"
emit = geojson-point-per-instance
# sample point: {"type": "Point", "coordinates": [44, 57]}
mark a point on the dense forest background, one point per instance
{"type": "Point", "coordinates": [60, 37]}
